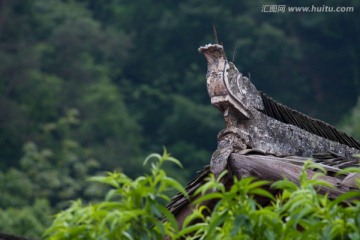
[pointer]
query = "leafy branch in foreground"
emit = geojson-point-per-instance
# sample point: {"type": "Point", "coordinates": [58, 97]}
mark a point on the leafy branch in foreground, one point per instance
{"type": "Point", "coordinates": [298, 212]}
{"type": "Point", "coordinates": [135, 209]}
{"type": "Point", "coordinates": [132, 209]}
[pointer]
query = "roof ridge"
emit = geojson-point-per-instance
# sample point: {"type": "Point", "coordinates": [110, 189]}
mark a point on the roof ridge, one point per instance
{"type": "Point", "coordinates": [318, 127]}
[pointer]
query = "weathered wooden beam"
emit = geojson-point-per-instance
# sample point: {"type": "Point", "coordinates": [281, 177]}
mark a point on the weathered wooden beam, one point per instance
{"type": "Point", "coordinates": [273, 168]}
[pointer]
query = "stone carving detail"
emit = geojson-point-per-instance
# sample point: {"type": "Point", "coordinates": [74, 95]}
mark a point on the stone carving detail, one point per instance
{"type": "Point", "coordinates": [246, 124]}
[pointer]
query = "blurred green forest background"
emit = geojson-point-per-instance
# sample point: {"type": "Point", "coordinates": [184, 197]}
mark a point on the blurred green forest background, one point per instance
{"type": "Point", "coordinates": [88, 86]}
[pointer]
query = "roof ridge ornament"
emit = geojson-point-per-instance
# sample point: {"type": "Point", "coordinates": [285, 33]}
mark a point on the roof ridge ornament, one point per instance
{"type": "Point", "coordinates": [250, 124]}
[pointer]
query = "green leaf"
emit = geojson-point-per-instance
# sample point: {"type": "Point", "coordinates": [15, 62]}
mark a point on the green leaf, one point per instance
{"type": "Point", "coordinates": [208, 196]}
{"type": "Point", "coordinates": [169, 216]}
{"type": "Point", "coordinates": [242, 221]}
{"type": "Point", "coordinates": [215, 221]}
{"type": "Point", "coordinates": [284, 184]}
{"type": "Point", "coordinates": [111, 193]}
{"type": "Point", "coordinates": [221, 175]}
{"type": "Point", "coordinates": [191, 229]}
{"type": "Point", "coordinates": [348, 170]}
{"type": "Point", "coordinates": [174, 160]}
{"type": "Point", "coordinates": [106, 180]}
{"type": "Point", "coordinates": [300, 214]}
{"type": "Point", "coordinates": [308, 164]}
{"type": "Point", "coordinates": [153, 155]}
{"type": "Point", "coordinates": [262, 192]}
{"type": "Point", "coordinates": [348, 196]}
{"type": "Point", "coordinates": [175, 184]}
{"type": "Point", "coordinates": [258, 184]}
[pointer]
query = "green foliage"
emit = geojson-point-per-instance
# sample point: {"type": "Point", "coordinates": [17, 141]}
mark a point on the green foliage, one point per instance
{"type": "Point", "coordinates": [29, 221]}
{"type": "Point", "coordinates": [351, 122]}
{"type": "Point", "coordinates": [297, 213]}
{"type": "Point", "coordinates": [134, 209]}
{"type": "Point", "coordinates": [132, 84]}
{"type": "Point", "coordinates": [57, 171]}
{"type": "Point", "coordinates": [48, 177]}
{"type": "Point", "coordinates": [61, 58]}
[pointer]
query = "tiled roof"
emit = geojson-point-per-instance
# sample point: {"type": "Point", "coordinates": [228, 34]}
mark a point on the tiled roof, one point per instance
{"type": "Point", "coordinates": [287, 115]}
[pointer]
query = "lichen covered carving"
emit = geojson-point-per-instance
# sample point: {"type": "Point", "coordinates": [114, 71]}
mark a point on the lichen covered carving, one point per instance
{"type": "Point", "coordinates": [250, 123]}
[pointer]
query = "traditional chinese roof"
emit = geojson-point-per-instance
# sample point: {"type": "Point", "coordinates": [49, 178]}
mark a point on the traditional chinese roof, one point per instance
{"type": "Point", "coordinates": [266, 139]}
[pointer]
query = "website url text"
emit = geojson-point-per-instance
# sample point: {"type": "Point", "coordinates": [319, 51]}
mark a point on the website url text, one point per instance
{"type": "Point", "coordinates": [313, 8]}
